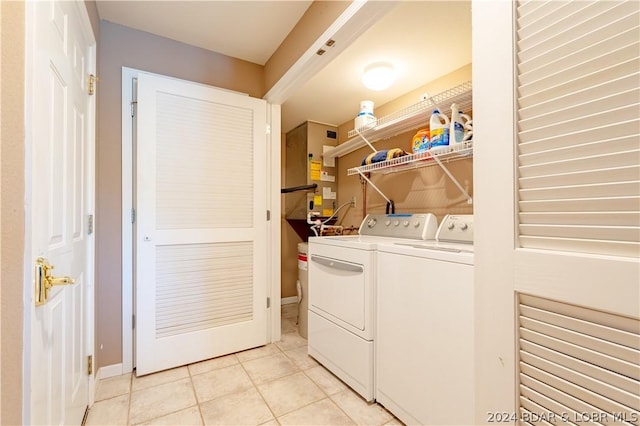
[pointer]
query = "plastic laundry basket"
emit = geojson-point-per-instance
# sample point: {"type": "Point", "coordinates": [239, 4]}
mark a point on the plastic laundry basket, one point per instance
{"type": "Point", "coordinates": [303, 289]}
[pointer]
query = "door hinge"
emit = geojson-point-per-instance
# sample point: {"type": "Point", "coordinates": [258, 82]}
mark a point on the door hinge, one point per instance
{"type": "Point", "coordinates": [133, 215]}
{"type": "Point", "coordinates": [92, 84]}
{"type": "Point", "coordinates": [268, 302]}
{"type": "Point", "coordinates": [134, 105]}
{"type": "Point", "coordinates": [268, 215]}
{"type": "Point", "coordinates": [90, 365]}
{"type": "Point", "coordinates": [90, 225]}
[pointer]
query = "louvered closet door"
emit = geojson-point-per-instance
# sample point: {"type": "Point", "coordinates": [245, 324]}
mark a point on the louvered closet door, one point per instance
{"type": "Point", "coordinates": [578, 102]}
{"type": "Point", "coordinates": [578, 211]}
{"type": "Point", "coordinates": [201, 223]}
{"type": "Point", "coordinates": [578, 152]}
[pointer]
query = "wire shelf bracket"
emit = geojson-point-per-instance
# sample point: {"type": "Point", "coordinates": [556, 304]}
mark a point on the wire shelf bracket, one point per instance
{"type": "Point", "coordinates": [415, 161]}
{"type": "Point", "coordinates": [453, 179]}
{"type": "Point", "coordinates": [363, 175]}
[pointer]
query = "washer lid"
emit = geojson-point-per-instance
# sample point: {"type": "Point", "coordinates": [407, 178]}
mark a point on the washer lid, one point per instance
{"type": "Point", "coordinates": [361, 242]}
{"type": "Point", "coordinates": [450, 252]}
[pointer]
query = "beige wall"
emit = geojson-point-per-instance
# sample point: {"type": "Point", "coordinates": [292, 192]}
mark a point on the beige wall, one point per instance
{"type": "Point", "coordinates": [121, 46]}
{"type": "Point", "coordinates": [12, 162]}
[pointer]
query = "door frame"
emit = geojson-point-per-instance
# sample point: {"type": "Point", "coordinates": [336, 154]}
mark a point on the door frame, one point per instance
{"type": "Point", "coordinates": [28, 293]}
{"type": "Point", "coordinates": [273, 227]}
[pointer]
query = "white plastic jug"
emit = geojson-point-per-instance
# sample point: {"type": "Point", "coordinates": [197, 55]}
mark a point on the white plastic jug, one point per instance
{"type": "Point", "coordinates": [365, 118]}
{"type": "Point", "coordinates": [438, 130]}
{"type": "Point", "coordinates": [460, 125]}
{"type": "Point", "coordinates": [468, 128]}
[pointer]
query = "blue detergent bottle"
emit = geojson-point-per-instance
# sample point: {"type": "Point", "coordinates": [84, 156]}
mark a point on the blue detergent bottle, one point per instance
{"type": "Point", "coordinates": [438, 130]}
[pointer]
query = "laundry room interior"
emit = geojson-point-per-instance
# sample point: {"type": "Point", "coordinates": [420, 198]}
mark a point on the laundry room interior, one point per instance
{"type": "Point", "coordinates": [425, 189]}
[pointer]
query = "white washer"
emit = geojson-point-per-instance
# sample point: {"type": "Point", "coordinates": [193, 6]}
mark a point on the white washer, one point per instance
{"type": "Point", "coordinates": [342, 289]}
{"type": "Point", "coordinates": [424, 336]}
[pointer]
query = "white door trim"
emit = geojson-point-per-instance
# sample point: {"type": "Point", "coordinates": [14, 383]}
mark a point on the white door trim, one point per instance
{"type": "Point", "coordinates": [275, 202]}
{"type": "Point", "coordinates": [128, 74]}
{"type": "Point", "coordinates": [28, 258]}
{"type": "Point", "coordinates": [273, 205]}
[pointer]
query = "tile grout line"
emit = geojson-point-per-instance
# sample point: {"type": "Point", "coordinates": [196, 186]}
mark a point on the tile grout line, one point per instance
{"type": "Point", "coordinates": [195, 394]}
{"type": "Point", "coordinates": [301, 370]}
{"type": "Point", "coordinates": [162, 384]}
{"type": "Point", "coordinates": [128, 421]}
{"type": "Point", "coordinates": [329, 396]}
{"type": "Point", "coordinates": [255, 386]}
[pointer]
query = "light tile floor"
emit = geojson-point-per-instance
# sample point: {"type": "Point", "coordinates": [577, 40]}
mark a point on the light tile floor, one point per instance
{"type": "Point", "coordinates": [277, 384]}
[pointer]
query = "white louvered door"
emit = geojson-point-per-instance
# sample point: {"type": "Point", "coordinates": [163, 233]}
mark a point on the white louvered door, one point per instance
{"type": "Point", "coordinates": [201, 223]}
{"type": "Point", "coordinates": [578, 127]}
{"type": "Point", "coordinates": [578, 211]}
{"type": "Point", "coordinates": [578, 152]}
{"type": "Point", "coordinates": [557, 211]}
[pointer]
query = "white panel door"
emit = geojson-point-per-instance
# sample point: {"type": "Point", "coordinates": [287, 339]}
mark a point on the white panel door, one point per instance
{"type": "Point", "coordinates": [201, 223]}
{"type": "Point", "coordinates": [60, 162]}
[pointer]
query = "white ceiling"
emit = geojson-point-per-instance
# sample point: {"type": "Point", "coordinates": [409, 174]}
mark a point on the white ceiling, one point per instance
{"type": "Point", "coordinates": [424, 39]}
{"type": "Point", "coordinates": [248, 30]}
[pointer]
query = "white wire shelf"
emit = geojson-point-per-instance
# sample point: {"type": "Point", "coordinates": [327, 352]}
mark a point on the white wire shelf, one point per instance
{"type": "Point", "coordinates": [405, 119]}
{"type": "Point", "coordinates": [415, 161]}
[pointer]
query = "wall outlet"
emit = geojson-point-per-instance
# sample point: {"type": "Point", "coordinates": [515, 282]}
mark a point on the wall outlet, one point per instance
{"type": "Point", "coordinates": [353, 201]}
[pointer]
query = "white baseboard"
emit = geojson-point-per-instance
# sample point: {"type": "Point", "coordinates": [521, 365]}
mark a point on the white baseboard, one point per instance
{"type": "Point", "coordinates": [109, 371]}
{"type": "Point", "coordinates": [289, 300]}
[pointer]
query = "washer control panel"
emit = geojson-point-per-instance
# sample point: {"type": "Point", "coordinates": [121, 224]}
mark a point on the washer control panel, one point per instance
{"type": "Point", "coordinates": [456, 228]}
{"type": "Point", "coordinates": [416, 226]}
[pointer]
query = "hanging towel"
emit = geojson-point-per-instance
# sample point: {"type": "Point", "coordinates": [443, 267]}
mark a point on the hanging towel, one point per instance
{"type": "Point", "coordinates": [385, 154]}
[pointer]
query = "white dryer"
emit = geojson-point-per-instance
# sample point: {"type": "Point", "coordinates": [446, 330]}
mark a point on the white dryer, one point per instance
{"type": "Point", "coordinates": [342, 289]}
{"type": "Point", "coordinates": [424, 335]}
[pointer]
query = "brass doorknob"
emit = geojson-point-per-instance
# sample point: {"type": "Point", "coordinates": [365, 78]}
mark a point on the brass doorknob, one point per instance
{"type": "Point", "coordinates": [44, 280]}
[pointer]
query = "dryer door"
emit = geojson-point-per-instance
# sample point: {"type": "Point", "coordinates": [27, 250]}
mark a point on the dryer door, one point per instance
{"type": "Point", "coordinates": [340, 286]}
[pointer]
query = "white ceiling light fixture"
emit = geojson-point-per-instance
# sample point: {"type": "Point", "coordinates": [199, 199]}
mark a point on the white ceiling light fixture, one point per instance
{"type": "Point", "coordinates": [379, 76]}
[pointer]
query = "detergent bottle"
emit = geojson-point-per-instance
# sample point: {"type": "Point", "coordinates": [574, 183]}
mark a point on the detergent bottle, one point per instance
{"type": "Point", "coordinates": [438, 130]}
{"type": "Point", "coordinates": [420, 141]}
{"type": "Point", "coordinates": [456, 130]}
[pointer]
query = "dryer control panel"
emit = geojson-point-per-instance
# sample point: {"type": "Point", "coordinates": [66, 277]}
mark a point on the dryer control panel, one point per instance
{"type": "Point", "coordinates": [456, 228]}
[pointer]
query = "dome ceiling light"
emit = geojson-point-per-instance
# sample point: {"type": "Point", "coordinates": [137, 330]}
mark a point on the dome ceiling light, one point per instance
{"type": "Point", "coordinates": [379, 76]}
